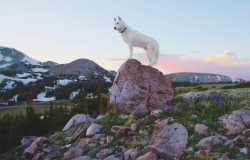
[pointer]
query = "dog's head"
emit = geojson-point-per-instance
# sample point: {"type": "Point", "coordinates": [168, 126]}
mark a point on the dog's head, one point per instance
{"type": "Point", "coordinates": [120, 25]}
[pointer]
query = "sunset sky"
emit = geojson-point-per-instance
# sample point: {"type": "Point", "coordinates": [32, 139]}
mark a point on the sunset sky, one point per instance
{"type": "Point", "coordinates": [208, 36]}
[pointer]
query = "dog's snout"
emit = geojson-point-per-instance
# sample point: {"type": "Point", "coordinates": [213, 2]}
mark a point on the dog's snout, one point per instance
{"type": "Point", "coordinates": [115, 28]}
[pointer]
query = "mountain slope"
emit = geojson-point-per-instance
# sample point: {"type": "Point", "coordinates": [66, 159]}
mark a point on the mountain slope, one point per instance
{"type": "Point", "coordinates": [81, 67]}
{"type": "Point", "coordinates": [12, 59]}
{"type": "Point", "coordinates": [200, 77]}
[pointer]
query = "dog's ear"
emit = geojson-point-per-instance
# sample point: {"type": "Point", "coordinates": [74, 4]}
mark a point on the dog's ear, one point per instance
{"type": "Point", "coordinates": [114, 19]}
{"type": "Point", "coordinates": [119, 18]}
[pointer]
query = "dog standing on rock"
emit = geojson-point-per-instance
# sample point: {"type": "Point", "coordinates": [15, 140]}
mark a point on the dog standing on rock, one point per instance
{"type": "Point", "coordinates": [136, 39]}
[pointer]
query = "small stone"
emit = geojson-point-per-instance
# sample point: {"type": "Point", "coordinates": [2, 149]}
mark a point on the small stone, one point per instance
{"type": "Point", "coordinates": [246, 120]}
{"type": "Point", "coordinates": [112, 157]}
{"type": "Point", "coordinates": [77, 119]}
{"type": "Point", "coordinates": [208, 141]}
{"type": "Point", "coordinates": [163, 123]}
{"type": "Point", "coordinates": [110, 139]}
{"type": "Point", "coordinates": [102, 140]}
{"type": "Point", "coordinates": [238, 138]}
{"type": "Point", "coordinates": [93, 129]}
{"type": "Point", "coordinates": [99, 117]}
{"type": "Point", "coordinates": [101, 155]}
{"type": "Point", "coordinates": [190, 94]}
{"type": "Point", "coordinates": [73, 152]}
{"type": "Point", "coordinates": [133, 153]}
{"type": "Point", "coordinates": [200, 128]}
{"type": "Point", "coordinates": [84, 158]}
{"type": "Point", "coordinates": [244, 150]}
{"type": "Point", "coordinates": [121, 129]}
{"type": "Point", "coordinates": [156, 112]}
{"type": "Point", "coordinates": [202, 153]}
{"type": "Point", "coordinates": [147, 156]}
{"type": "Point", "coordinates": [135, 126]}
{"type": "Point", "coordinates": [151, 118]}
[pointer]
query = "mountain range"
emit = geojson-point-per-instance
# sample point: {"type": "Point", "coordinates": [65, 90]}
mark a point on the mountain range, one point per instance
{"type": "Point", "coordinates": [16, 67]}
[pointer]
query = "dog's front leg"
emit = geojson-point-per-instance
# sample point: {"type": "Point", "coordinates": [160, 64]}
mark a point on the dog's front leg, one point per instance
{"type": "Point", "coordinates": [130, 51]}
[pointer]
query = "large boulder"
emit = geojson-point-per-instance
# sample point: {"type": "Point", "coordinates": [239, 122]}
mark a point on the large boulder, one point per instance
{"type": "Point", "coordinates": [170, 142]}
{"type": "Point", "coordinates": [140, 89]}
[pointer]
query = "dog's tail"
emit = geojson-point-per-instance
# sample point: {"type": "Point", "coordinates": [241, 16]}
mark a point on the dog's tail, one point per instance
{"type": "Point", "coordinates": [155, 55]}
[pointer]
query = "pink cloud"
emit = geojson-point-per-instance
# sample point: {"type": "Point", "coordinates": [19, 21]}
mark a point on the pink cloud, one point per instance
{"type": "Point", "coordinates": [227, 64]}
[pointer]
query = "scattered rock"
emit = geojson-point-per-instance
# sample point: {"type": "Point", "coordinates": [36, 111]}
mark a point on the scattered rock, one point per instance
{"type": "Point", "coordinates": [131, 154]}
{"type": "Point", "coordinates": [112, 157]}
{"type": "Point", "coordinates": [190, 94]}
{"type": "Point", "coordinates": [208, 141]}
{"type": "Point", "coordinates": [110, 139]}
{"type": "Point", "coordinates": [202, 153]}
{"type": "Point", "coordinates": [93, 129]}
{"type": "Point", "coordinates": [84, 158]}
{"type": "Point", "coordinates": [233, 123]}
{"type": "Point", "coordinates": [156, 112]}
{"type": "Point", "coordinates": [77, 119]}
{"type": "Point", "coordinates": [200, 128]}
{"type": "Point", "coordinates": [163, 123]}
{"type": "Point", "coordinates": [244, 150]}
{"type": "Point", "coordinates": [246, 120]}
{"type": "Point", "coordinates": [121, 129]}
{"type": "Point", "coordinates": [135, 126]}
{"type": "Point", "coordinates": [170, 142]}
{"type": "Point", "coordinates": [151, 117]}
{"type": "Point", "coordinates": [147, 156]}
{"type": "Point", "coordinates": [140, 89]}
{"type": "Point", "coordinates": [73, 152]}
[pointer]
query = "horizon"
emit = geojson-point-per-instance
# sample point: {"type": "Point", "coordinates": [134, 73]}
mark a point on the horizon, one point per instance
{"type": "Point", "coordinates": [194, 36]}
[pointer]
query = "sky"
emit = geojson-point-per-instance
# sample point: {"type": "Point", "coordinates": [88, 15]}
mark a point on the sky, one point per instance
{"type": "Point", "coordinates": [208, 36]}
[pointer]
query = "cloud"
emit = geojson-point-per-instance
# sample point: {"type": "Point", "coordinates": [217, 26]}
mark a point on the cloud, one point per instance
{"type": "Point", "coordinates": [226, 63]}
{"type": "Point", "coordinates": [226, 58]}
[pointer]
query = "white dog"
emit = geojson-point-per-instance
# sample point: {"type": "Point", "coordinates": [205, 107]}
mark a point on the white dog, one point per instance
{"type": "Point", "coordinates": [136, 39]}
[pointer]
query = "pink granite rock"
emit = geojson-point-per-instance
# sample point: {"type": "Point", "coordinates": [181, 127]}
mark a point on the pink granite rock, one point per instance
{"type": "Point", "coordinates": [233, 123]}
{"type": "Point", "coordinates": [131, 154]}
{"type": "Point", "coordinates": [110, 139]}
{"type": "Point", "coordinates": [93, 129]}
{"type": "Point", "coordinates": [140, 89]}
{"type": "Point", "coordinates": [33, 148]}
{"type": "Point", "coordinates": [208, 141]}
{"type": "Point", "coordinates": [121, 129]}
{"type": "Point", "coordinates": [240, 113]}
{"type": "Point", "coordinates": [147, 156]}
{"type": "Point", "coordinates": [200, 128]}
{"type": "Point", "coordinates": [170, 142]}
{"type": "Point", "coordinates": [246, 120]}
{"type": "Point", "coordinates": [163, 123]}
{"type": "Point", "coordinates": [76, 119]}
{"type": "Point", "coordinates": [73, 152]}
{"type": "Point", "coordinates": [84, 144]}
{"type": "Point", "coordinates": [135, 126]}
{"type": "Point", "coordinates": [202, 153]}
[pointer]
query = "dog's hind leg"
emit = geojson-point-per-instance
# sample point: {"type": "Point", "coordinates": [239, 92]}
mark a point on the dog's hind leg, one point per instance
{"type": "Point", "coordinates": [130, 51]}
{"type": "Point", "coordinates": [150, 55]}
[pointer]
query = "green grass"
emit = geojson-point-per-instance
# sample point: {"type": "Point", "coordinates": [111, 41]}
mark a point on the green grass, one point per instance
{"type": "Point", "coordinates": [14, 111]}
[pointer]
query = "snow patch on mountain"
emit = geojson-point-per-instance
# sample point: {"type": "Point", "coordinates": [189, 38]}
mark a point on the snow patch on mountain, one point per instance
{"type": "Point", "coordinates": [24, 81]}
{"type": "Point", "coordinates": [10, 85]}
{"type": "Point", "coordinates": [40, 70]}
{"type": "Point", "coordinates": [219, 78]}
{"type": "Point", "coordinates": [107, 79]}
{"type": "Point", "coordinates": [75, 93]}
{"type": "Point", "coordinates": [23, 75]}
{"type": "Point", "coordinates": [28, 60]}
{"type": "Point", "coordinates": [63, 82]}
{"type": "Point", "coordinates": [41, 97]}
{"type": "Point", "coordinates": [5, 65]}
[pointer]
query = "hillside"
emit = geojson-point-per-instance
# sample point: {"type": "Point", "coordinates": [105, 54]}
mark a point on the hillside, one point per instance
{"type": "Point", "coordinates": [201, 78]}
{"type": "Point", "coordinates": [22, 77]}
